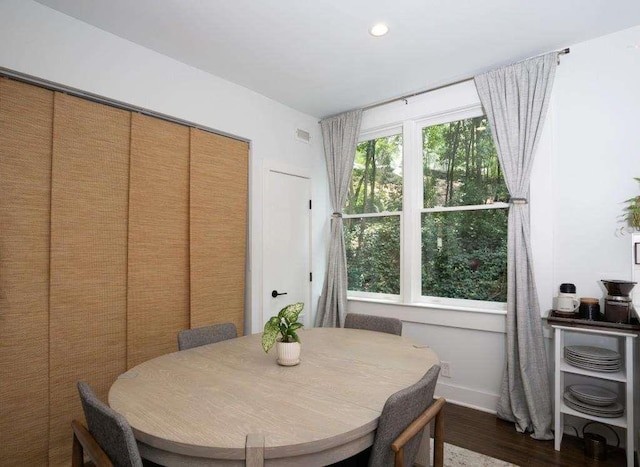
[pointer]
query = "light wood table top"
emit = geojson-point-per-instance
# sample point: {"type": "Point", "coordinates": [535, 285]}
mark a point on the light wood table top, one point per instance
{"type": "Point", "coordinates": [230, 403]}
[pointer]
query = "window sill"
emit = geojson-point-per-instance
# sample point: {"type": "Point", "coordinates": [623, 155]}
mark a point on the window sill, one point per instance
{"type": "Point", "coordinates": [479, 319]}
{"type": "Point", "coordinates": [432, 305]}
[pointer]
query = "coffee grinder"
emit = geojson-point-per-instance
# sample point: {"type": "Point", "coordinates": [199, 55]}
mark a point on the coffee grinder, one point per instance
{"type": "Point", "coordinates": [618, 305]}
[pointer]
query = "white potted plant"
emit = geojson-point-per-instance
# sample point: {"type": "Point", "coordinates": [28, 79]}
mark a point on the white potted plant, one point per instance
{"type": "Point", "coordinates": [285, 324]}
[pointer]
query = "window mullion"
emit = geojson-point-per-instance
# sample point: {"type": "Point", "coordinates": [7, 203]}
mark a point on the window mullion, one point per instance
{"type": "Point", "coordinates": [411, 204]}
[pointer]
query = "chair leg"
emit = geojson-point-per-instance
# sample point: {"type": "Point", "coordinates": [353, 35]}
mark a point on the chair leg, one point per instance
{"type": "Point", "coordinates": [77, 455]}
{"type": "Point", "coordinates": [438, 441]}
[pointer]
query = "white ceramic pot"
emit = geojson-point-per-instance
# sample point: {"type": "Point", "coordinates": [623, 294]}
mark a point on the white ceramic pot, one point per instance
{"type": "Point", "coordinates": [288, 353]}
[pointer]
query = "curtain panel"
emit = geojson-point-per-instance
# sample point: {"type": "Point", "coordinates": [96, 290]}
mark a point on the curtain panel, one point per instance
{"type": "Point", "coordinates": [340, 135]}
{"type": "Point", "coordinates": [515, 99]}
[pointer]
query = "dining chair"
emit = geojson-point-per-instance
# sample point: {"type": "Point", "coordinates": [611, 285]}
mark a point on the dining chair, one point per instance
{"type": "Point", "coordinates": [108, 441]}
{"type": "Point", "coordinates": [373, 323]}
{"type": "Point", "coordinates": [191, 338]}
{"type": "Point", "coordinates": [402, 421]}
{"type": "Point", "coordinates": [401, 426]}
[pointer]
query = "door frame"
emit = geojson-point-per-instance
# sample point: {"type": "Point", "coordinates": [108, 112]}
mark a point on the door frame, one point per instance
{"type": "Point", "coordinates": [293, 171]}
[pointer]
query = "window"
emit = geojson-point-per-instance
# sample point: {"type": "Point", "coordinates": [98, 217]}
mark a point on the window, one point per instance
{"type": "Point", "coordinates": [463, 229]}
{"type": "Point", "coordinates": [444, 223]}
{"type": "Point", "coordinates": [372, 216]}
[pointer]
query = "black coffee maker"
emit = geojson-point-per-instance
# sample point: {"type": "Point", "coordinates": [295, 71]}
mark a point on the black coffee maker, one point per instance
{"type": "Point", "coordinates": [618, 305]}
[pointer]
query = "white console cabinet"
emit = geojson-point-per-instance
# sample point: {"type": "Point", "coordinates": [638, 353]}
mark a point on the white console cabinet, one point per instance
{"type": "Point", "coordinates": [626, 342]}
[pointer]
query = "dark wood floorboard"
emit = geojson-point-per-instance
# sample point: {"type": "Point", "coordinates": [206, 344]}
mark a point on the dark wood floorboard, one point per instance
{"type": "Point", "coordinates": [487, 434]}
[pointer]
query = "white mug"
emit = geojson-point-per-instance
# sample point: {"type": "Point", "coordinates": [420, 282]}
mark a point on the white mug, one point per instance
{"type": "Point", "coordinates": [567, 302]}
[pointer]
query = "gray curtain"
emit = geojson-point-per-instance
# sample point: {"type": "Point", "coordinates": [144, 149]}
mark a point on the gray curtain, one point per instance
{"type": "Point", "coordinates": [515, 99]}
{"type": "Point", "coordinates": [340, 135]}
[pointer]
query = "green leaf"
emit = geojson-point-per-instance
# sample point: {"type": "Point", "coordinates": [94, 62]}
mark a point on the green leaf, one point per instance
{"type": "Point", "coordinates": [270, 334]}
{"type": "Point", "coordinates": [291, 312]}
{"type": "Point", "coordinates": [294, 336]}
{"type": "Point", "coordinates": [295, 326]}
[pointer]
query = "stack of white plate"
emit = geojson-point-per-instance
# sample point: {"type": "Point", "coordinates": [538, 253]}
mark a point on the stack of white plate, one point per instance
{"type": "Point", "coordinates": [593, 400]}
{"type": "Point", "coordinates": [593, 358]}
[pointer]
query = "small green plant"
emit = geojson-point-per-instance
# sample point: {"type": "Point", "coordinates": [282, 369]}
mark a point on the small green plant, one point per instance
{"type": "Point", "coordinates": [631, 213]}
{"type": "Point", "coordinates": [285, 323]}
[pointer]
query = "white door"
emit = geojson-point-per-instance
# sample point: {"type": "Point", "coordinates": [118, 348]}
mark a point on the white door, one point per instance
{"type": "Point", "coordinates": [286, 243]}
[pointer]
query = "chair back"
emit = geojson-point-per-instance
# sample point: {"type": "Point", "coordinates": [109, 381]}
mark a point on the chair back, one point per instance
{"type": "Point", "coordinates": [110, 429]}
{"type": "Point", "coordinates": [373, 323]}
{"type": "Point", "coordinates": [191, 338]}
{"type": "Point", "coordinates": [399, 411]}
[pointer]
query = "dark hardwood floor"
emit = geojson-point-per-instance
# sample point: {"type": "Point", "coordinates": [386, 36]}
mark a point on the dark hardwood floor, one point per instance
{"type": "Point", "coordinates": [485, 433]}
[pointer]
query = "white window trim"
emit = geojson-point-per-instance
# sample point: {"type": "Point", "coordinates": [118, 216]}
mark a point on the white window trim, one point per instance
{"type": "Point", "coordinates": [373, 297]}
{"type": "Point", "coordinates": [467, 207]}
{"type": "Point", "coordinates": [372, 214]}
{"type": "Point", "coordinates": [448, 304]}
{"type": "Point", "coordinates": [410, 217]}
{"type": "Point", "coordinates": [439, 118]}
{"type": "Point", "coordinates": [381, 132]}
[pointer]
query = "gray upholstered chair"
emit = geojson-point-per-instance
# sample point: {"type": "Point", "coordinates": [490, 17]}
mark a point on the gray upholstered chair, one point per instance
{"type": "Point", "coordinates": [190, 338]}
{"type": "Point", "coordinates": [401, 426]}
{"type": "Point", "coordinates": [109, 441]}
{"type": "Point", "coordinates": [402, 423]}
{"type": "Point", "coordinates": [373, 323]}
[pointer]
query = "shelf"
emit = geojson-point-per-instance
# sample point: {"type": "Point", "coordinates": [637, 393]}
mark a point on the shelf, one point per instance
{"type": "Point", "coordinates": [619, 376]}
{"type": "Point", "coordinates": [627, 341]}
{"type": "Point", "coordinates": [618, 421]}
{"type": "Point", "coordinates": [575, 327]}
{"type": "Point", "coordinates": [597, 326]}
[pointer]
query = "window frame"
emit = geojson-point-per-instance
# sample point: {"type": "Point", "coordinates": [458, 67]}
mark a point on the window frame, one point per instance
{"type": "Point", "coordinates": [412, 210]}
{"type": "Point", "coordinates": [367, 136]}
{"type": "Point", "coordinates": [458, 302]}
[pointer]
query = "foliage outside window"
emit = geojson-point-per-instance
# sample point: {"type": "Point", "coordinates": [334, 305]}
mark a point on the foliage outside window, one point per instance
{"type": "Point", "coordinates": [458, 221]}
{"type": "Point", "coordinates": [464, 239]}
{"type": "Point", "coordinates": [372, 217]}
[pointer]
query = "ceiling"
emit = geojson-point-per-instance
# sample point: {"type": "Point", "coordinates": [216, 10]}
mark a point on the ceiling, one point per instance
{"type": "Point", "coordinates": [319, 58]}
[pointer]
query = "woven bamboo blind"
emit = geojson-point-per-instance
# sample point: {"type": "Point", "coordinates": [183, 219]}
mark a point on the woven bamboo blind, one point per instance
{"type": "Point", "coordinates": [25, 181]}
{"type": "Point", "coordinates": [158, 287]}
{"type": "Point", "coordinates": [88, 301]}
{"type": "Point", "coordinates": [107, 219]}
{"type": "Point", "coordinates": [218, 212]}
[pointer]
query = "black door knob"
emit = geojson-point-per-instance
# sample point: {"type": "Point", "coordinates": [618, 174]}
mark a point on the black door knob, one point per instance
{"type": "Point", "coordinates": [275, 293]}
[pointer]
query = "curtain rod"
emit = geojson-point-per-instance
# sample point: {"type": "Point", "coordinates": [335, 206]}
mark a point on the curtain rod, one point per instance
{"type": "Point", "coordinates": [53, 86]}
{"type": "Point", "coordinates": [404, 98]}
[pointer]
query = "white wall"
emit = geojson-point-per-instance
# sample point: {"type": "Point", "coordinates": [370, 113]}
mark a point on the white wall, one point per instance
{"type": "Point", "coordinates": [596, 136]}
{"type": "Point", "coordinates": [597, 149]}
{"type": "Point", "coordinates": [584, 169]}
{"type": "Point", "coordinates": [41, 42]}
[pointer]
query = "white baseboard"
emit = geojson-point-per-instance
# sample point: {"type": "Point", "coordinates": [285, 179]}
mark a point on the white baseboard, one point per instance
{"type": "Point", "coordinates": [468, 397]}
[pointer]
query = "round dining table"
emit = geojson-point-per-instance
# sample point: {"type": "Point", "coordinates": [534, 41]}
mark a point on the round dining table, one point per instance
{"type": "Point", "coordinates": [230, 403]}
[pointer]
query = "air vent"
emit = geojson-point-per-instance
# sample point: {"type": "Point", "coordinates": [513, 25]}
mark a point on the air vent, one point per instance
{"type": "Point", "coordinates": [303, 135]}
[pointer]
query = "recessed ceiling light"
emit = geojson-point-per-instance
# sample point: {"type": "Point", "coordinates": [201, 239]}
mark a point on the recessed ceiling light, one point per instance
{"type": "Point", "coordinates": [379, 29]}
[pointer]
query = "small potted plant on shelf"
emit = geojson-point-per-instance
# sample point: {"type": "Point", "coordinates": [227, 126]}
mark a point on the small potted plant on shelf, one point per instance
{"type": "Point", "coordinates": [631, 215]}
{"type": "Point", "coordinates": [284, 324]}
